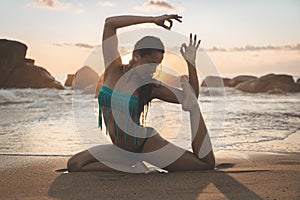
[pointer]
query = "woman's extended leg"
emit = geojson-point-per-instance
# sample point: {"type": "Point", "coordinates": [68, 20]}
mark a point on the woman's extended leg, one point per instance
{"type": "Point", "coordinates": [85, 161]}
{"type": "Point", "coordinates": [105, 158]}
{"type": "Point", "coordinates": [202, 157]}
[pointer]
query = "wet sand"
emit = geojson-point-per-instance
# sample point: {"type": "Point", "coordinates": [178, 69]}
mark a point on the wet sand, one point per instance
{"type": "Point", "coordinates": [270, 176]}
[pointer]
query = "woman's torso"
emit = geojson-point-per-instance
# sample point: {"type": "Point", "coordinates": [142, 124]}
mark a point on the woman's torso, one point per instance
{"type": "Point", "coordinates": [123, 139]}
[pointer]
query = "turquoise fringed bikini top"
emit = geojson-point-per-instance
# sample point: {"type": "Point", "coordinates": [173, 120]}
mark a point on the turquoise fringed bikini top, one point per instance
{"type": "Point", "coordinates": [118, 101]}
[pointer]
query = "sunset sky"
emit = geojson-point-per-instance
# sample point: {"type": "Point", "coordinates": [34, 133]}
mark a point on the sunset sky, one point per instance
{"type": "Point", "coordinates": [241, 37]}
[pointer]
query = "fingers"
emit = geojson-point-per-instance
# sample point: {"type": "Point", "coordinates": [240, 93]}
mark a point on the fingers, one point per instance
{"type": "Point", "coordinates": [178, 20]}
{"type": "Point", "coordinates": [176, 17]}
{"type": "Point", "coordinates": [171, 23]}
{"type": "Point", "coordinates": [183, 48]}
{"type": "Point", "coordinates": [169, 26]}
{"type": "Point", "coordinates": [198, 44]}
{"type": "Point", "coordinates": [181, 51]}
{"type": "Point", "coordinates": [166, 27]}
{"type": "Point", "coordinates": [170, 19]}
{"type": "Point", "coordinates": [193, 42]}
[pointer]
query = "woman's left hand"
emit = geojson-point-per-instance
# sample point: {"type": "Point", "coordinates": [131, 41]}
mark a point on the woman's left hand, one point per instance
{"type": "Point", "coordinates": [189, 52]}
{"type": "Point", "coordinates": [160, 20]}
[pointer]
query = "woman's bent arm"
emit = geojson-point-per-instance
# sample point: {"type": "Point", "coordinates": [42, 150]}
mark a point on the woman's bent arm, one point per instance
{"type": "Point", "coordinates": [110, 40]}
{"type": "Point", "coordinates": [126, 20]}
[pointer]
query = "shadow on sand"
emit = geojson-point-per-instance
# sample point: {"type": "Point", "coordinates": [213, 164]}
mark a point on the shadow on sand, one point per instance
{"type": "Point", "coordinates": [176, 185]}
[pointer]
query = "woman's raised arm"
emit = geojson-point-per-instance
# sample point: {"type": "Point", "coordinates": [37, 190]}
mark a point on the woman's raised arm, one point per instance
{"type": "Point", "coordinates": [110, 41]}
{"type": "Point", "coordinates": [174, 95]}
{"type": "Point", "coordinates": [189, 54]}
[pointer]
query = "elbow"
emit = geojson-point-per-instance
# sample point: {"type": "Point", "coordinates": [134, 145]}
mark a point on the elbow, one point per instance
{"type": "Point", "coordinates": [109, 22]}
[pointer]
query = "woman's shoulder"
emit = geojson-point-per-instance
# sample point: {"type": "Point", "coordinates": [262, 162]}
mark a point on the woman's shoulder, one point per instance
{"type": "Point", "coordinates": [111, 68]}
{"type": "Point", "coordinates": [113, 72]}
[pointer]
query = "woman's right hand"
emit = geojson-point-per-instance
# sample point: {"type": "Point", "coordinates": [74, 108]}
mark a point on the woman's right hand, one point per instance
{"type": "Point", "coordinates": [160, 20]}
{"type": "Point", "coordinates": [189, 52]}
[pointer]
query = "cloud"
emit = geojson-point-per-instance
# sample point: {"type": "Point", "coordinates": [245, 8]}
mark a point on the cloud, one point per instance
{"type": "Point", "coordinates": [81, 45]}
{"type": "Point", "coordinates": [52, 4]}
{"type": "Point", "coordinates": [294, 47]}
{"type": "Point", "coordinates": [216, 49]}
{"type": "Point", "coordinates": [62, 44]}
{"type": "Point", "coordinates": [124, 49]}
{"type": "Point", "coordinates": [157, 5]}
{"type": "Point", "coordinates": [163, 5]}
{"type": "Point", "coordinates": [107, 4]}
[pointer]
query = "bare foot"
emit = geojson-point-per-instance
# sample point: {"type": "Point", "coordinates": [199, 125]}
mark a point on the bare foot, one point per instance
{"type": "Point", "coordinates": [190, 101]}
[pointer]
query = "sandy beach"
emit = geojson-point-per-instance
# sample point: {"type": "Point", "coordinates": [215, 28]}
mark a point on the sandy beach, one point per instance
{"type": "Point", "coordinates": [78, 74]}
{"type": "Point", "coordinates": [264, 176]}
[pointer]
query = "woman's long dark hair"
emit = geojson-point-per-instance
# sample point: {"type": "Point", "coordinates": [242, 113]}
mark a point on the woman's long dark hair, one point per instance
{"type": "Point", "coordinates": [146, 46]}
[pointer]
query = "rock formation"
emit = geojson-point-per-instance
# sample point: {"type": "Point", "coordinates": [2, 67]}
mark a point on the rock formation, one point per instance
{"type": "Point", "coordinates": [270, 83]}
{"type": "Point", "coordinates": [215, 81]}
{"type": "Point", "coordinates": [16, 71]}
{"type": "Point", "coordinates": [239, 79]}
{"type": "Point", "coordinates": [85, 77]}
{"type": "Point", "coordinates": [69, 81]}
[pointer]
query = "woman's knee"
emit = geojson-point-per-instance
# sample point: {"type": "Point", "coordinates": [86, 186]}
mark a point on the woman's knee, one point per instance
{"type": "Point", "coordinates": [73, 165]}
{"type": "Point", "coordinates": [76, 162]}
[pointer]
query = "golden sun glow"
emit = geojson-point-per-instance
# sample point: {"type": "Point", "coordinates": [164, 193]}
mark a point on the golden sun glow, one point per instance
{"type": "Point", "coordinates": [126, 58]}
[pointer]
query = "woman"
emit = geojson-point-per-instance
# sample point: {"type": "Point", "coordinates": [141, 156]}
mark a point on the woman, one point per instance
{"type": "Point", "coordinates": [121, 80]}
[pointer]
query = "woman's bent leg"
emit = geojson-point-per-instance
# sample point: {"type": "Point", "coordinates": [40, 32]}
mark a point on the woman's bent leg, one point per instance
{"type": "Point", "coordinates": [83, 161]}
{"type": "Point", "coordinates": [166, 155]}
{"type": "Point", "coordinates": [202, 156]}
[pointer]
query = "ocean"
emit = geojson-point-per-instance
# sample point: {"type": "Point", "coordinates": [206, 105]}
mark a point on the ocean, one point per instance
{"type": "Point", "coordinates": [54, 122]}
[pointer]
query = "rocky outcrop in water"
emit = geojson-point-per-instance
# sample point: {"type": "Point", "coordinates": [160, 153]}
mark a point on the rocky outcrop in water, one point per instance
{"type": "Point", "coordinates": [16, 71]}
{"type": "Point", "coordinates": [85, 77]}
{"type": "Point", "coordinates": [270, 83]}
{"type": "Point", "coordinates": [69, 80]}
{"type": "Point", "coordinates": [240, 79]}
{"type": "Point", "coordinates": [215, 81]}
